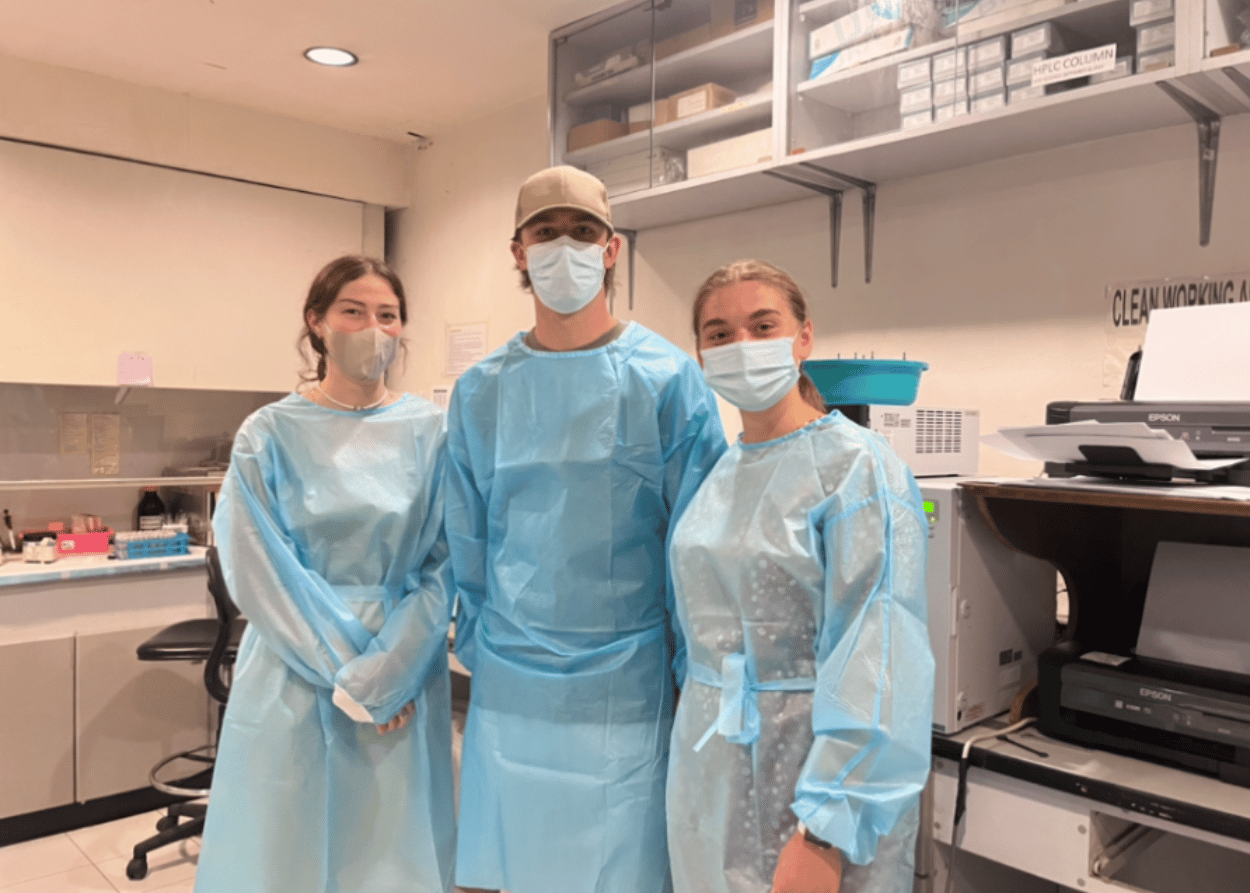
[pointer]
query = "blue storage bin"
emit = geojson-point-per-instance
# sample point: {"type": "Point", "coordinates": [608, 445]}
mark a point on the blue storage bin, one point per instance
{"type": "Point", "coordinates": [174, 544]}
{"type": "Point", "coordinates": [864, 382]}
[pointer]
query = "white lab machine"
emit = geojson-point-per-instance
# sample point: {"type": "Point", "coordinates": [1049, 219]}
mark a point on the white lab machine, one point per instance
{"type": "Point", "coordinates": [930, 440]}
{"type": "Point", "coordinates": [991, 611]}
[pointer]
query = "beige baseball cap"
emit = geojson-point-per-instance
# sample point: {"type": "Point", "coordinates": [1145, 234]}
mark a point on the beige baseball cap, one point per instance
{"type": "Point", "coordinates": [563, 187]}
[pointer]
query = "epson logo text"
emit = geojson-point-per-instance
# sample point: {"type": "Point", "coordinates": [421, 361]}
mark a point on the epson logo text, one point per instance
{"type": "Point", "coordinates": [1157, 695]}
{"type": "Point", "coordinates": [1164, 417]}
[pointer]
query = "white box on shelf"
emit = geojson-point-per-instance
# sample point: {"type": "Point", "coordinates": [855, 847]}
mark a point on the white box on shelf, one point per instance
{"type": "Point", "coordinates": [1153, 61]}
{"type": "Point", "coordinates": [1042, 39]}
{"type": "Point", "coordinates": [1155, 37]}
{"type": "Point", "coordinates": [915, 72]}
{"type": "Point", "coordinates": [987, 53]}
{"type": "Point", "coordinates": [949, 64]}
{"type": "Point", "coordinates": [1025, 93]}
{"type": "Point", "coordinates": [989, 103]}
{"type": "Point", "coordinates": [915, 99]}
{"type": "Point", "coordinates": [1020, 71]}
{"type": "Point", "coordinates": [866, 22]}
{"type": "Point", "coordinates": [867, 51]}
{"type": "Point", "coordinates": [1123, 68]}
{"type": "Point", "coordinates": [947, 92]}
{"type": "Point", "coordinates": [917, 119]}
{"type": "Point", "coordinates": [953, 110]}
{"type": "Point", "coordinates": [738, 151]}
{"type": "Point", "coordinates": [991, 80]}
{"type": "Point", "coordinates": [1142, 12]}
{"type": "Point", "coordinates": [640, 114]}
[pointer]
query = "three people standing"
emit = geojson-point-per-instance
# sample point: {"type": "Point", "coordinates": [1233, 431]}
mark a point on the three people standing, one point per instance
{"type": "Point", "coordinates": [602, 549]}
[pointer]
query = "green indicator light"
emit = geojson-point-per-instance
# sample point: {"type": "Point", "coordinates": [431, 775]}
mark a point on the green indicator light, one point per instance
{"type": "Point", "coordinates": [930, 507]}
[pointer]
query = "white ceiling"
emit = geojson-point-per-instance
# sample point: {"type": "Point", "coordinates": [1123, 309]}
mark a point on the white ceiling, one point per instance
{"type": "Point", "coordinates": [425, 65]}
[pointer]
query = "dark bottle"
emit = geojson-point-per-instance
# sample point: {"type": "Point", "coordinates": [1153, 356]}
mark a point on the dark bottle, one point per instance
{"type": "Point", "coordinates": [151, 510]}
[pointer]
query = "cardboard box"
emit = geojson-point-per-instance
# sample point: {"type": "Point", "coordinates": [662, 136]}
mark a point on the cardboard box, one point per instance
{"type": "Point", "coordinates": [917, 119]}
{"type": "Point", "coordinates": [1123, 68]}
{"type": "Point", "coordinates": [862, 24]}
{"type": "Point", "coordinates": [949, 64]}
{"type": "Point", "coordinates": [1044, 39]}
{"type": "Point", "coordinates": [867, 51]}
{"type": "Point", "coordinates": [987, 53]}
{"type": "Point", "coordinates": [1142, 12]}
{"type": "Point", "coordinates": [740, 151]}
{"type": "Point", "coordinates": [1152, 61]}
{"type": "Point", "coordinates": [594, 132]}
{"type": "Point", "coordinates": [991, 80]}
{"type": "Point", "coordinates": [696, 101]}
{"type": "Point", "coordinates": [681, 42]}
{"type": "Point", "coordinates": [989, 103]}
{"type": "Point", "coordinates": [954, 110]}
{"type": "Point", "coordinates": [733, 15]}
{"type": "Point", "coordinates": [951, 92]}
{"type": "Point", "coordinates": [916, 99]}
{"type": "Point", "coordinates": [915, 72]}
{"type": "Point", "coordinates": [1020, 71]}
{"type": "Point", "coordinates": [1156, 37]}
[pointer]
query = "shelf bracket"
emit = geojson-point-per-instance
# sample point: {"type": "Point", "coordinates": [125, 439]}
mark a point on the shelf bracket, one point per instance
{"type": "Point", "coordinates": [835, 217]}
{"type": "Point", "coordinates": [631, 236]}
{"type": "Point", "coordinates": [1239, 79]}
{"type": "Point", "coordinates": [832, 185]}
{"type": "Point", "coordinates": [870, 209]}
{"type": "Point", "coordinates": [1208, 123]}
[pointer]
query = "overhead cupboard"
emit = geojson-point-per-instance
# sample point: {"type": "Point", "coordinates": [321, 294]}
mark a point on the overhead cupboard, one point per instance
{"type": "Point", "coordinates": [693, 108]}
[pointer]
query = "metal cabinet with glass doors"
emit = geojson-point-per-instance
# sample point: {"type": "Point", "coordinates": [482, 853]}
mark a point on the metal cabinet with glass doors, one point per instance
{"type": "Point", "coordinates": [695, 108]}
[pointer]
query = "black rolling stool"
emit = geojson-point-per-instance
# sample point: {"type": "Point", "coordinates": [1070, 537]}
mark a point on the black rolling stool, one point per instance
{"type": "Point", "coordinates": [215, 641]}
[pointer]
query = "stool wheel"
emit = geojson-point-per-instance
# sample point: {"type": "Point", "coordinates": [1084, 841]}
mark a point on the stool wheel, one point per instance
{"type": "Point", "coordinates": [165, 822]}
{"type": "Point", "coordinates": [137, 868]}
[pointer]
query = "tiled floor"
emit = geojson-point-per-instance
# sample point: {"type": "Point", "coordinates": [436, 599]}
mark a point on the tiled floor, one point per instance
{"type": "Point", "coordinates": [93, 860]}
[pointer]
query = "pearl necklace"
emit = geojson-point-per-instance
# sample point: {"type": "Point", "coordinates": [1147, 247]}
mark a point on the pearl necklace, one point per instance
{"type": "Point", "coordinates": [385, 396]}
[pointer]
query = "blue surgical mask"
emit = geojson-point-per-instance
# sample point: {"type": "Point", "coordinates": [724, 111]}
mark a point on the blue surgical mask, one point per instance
{"type": "Point", "coordinates": [566, 274]}
{"type": "Point", "coordinates": [752, 375]}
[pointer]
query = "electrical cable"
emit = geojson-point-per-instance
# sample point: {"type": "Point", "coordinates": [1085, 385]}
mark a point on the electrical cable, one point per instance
{"type": "Point", "coordinates": [961, 791]}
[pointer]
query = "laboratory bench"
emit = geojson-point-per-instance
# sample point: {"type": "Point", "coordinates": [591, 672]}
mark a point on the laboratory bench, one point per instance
{"type": "Point", "coordinates": [84, 719]}
{"type": "Point", "coordinates": [16, 572]}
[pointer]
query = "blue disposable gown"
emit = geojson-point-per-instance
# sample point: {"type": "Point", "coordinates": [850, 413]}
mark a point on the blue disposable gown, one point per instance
{"type": "Point", "coordinates": [799, 566]}
{"type": "Point", "coordinates": [331, 540]}
{"type": "Point", "coordinates": [565, 470]}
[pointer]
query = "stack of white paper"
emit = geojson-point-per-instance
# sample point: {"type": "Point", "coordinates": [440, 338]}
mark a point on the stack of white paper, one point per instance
{"type": "Point", "coordinates": [1062, 443]}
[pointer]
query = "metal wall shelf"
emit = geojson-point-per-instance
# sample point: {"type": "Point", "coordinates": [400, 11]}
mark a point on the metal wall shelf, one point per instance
{"type": "Point", "coordinates": [208, 481]}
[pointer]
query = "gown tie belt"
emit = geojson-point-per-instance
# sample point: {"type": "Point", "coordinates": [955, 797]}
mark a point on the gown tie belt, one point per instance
{"type": "Point", "coordinates": [739, 718]}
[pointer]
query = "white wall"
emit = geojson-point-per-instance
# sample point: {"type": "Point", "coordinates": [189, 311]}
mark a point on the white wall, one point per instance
{"type": "Point", "coordinates": [995, 274]}
{"type": "Point", "coordinates": [64, 107]}
{"type": "Point", "coordinates": [451, 247]}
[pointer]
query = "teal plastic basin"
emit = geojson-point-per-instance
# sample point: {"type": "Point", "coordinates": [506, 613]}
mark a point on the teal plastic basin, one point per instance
{"type": "Point", "coordinates": [862, 382]}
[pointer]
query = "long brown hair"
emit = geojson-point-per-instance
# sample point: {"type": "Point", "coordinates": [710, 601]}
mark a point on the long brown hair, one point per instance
{"type": "Point", "coordinates": [766, 273]}
{"type": "Point", "coordinates": [326, 287]}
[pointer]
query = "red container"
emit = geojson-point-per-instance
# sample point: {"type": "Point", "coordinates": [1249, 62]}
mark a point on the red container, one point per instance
{"type": "Point", "coordinates": [95, 543]}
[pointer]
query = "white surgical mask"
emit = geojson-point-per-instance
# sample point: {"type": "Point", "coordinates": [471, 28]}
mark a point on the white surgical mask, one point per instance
{"type": "Point", "coordinates": [364, 355]}
{"type": "Point", "coordinates": [752, 375]}
{"type": "Point", "coordinates": [566, 273]}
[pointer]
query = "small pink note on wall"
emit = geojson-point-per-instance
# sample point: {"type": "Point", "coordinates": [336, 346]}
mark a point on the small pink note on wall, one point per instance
{"type": "Point", "coordinates": [134, 369]}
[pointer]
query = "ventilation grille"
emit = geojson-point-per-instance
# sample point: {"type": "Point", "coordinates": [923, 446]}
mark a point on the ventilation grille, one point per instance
{"type": "Point", "coordinates": [938, 431]}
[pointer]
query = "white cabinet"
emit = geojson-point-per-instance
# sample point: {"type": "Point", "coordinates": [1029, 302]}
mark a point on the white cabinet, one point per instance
{"type": "Point", "coordinates": [83, 717]}
{"type": "Point", "coordinates": [130, 713]}
{"type": "Point", "coordinates": [37, 732]}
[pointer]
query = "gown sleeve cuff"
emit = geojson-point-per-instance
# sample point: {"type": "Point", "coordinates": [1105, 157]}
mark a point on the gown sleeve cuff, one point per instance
{"type": "Point", "coordinates": [349, 705]}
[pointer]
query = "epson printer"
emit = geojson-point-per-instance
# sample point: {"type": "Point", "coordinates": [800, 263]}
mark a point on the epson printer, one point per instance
{"type": "Point", "coordinates": [1165, 672]}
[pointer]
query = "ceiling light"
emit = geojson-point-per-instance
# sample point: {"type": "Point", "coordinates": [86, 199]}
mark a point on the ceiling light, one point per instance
{"type": "Point", "coordinates": [330, 56]}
